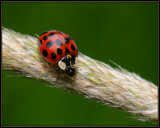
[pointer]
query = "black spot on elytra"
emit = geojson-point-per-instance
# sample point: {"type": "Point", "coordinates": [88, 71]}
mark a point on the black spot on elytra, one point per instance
{"type": "Point", "coordinates": [40, 43]}
{"type": "Point", "coordinates": [53, 55]}
{"type": "Point", "coordinates": [72, 47]}
{"type": "Point", "coordinates": [59, 51]}
{"type": "Point", "coordinates": [67, 51]}
{"type": "Point", "coordinates": [49, 44]}
{"type": "Point", "coordinates": [45, 37]}
{"type": "Point", "coordinates": [66, 40]}
{"type": "Point", "coordinates": [45, 53]}
{"type": "Point", "coordinates": [58, 42]}
{"type": "Point", "coordinates": [51, 34]}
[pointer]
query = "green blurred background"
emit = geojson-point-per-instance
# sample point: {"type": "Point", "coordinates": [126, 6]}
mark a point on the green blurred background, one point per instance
{"type": "Point", "coordinates": [126, 33]}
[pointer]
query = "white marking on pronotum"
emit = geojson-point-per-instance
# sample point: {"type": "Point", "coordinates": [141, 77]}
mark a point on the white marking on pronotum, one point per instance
{"type": "Point", "coordinates": [62, 65]}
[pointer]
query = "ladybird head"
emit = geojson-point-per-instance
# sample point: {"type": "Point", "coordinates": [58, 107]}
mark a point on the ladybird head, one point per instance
{"type": "Point", "coordinates": [67, 64]}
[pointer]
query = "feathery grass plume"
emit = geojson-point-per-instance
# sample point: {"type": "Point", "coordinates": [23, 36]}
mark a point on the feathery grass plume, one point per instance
{"type": "Point", "coordinates": [94, 79]}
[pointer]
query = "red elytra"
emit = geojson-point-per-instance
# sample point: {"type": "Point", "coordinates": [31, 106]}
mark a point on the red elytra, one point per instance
{"type": "Point", "coordinates": [54, 45]}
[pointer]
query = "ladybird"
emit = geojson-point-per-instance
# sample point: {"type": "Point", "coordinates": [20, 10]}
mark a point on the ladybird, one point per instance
{"type": "Point", "coordinates": [59, 48]}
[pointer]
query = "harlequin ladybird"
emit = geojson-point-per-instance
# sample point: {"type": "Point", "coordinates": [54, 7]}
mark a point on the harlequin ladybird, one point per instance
{"type": "Point", "coordinates": [59, 48]}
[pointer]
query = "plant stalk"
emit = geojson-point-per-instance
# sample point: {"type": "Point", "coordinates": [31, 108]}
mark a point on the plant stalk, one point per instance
{"type": "Point", "coordinates": [94, 79]}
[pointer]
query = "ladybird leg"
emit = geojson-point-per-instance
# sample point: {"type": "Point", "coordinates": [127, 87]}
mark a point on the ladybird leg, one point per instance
{"type": "Point", "coordinates": [58, 68]}
{"type": "Point", "coordinates": [76, 69]}
{"type": "Point", "coordinates": [58, 73]}
{"type": "Point", "coordinates": [49, 65]}
{"type": "Point", "coordinates": [74, 77]}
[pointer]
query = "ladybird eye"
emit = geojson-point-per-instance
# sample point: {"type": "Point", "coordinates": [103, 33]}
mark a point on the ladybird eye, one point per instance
{"type": "Point", "coordinates": [62, 65]}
